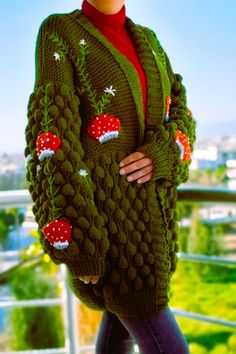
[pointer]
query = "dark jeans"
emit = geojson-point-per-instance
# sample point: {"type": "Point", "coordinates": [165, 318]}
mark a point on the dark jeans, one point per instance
{"type": "Point", "coordinates": [159, 334]}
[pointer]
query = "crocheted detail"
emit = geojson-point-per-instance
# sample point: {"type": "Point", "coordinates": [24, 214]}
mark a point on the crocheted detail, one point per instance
{"type": "Point", "coordinates": [47, 144]}
{"type": "Point", "coordinates": [58, 233]}
{"type": "Point", "coordinates": [104, 127]}
{"type": "Point", "coordinates": [183, 143]}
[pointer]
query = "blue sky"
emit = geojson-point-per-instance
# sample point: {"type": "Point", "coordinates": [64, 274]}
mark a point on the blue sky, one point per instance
{"type": "Point", "coordinates": [198, 36]}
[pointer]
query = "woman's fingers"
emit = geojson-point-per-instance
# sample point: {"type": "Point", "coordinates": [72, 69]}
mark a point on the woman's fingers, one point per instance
{"type": "Point", "coordinates": [90, 278]}
{"type": "Point", "coordinates": [138, 167]}
{"type": "Point", "coordinates": [137, 155]}
{"type": "Point", "coordinates": [138, 175]}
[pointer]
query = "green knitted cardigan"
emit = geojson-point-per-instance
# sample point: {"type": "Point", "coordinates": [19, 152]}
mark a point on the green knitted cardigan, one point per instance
{"type": "Point", "coordinates": [87, 105]}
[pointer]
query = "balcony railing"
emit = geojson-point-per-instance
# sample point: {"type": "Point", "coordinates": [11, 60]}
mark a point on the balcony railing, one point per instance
{"type": "Point", "coordinates": [187, 194]}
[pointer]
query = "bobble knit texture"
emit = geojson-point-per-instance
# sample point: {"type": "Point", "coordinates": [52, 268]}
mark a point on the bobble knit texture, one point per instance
{"type": "Point", "coordinates": [122, 231]}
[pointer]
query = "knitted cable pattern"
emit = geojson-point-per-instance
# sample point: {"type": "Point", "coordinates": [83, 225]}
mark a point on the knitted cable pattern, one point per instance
{"type": "Point", "coordinates": [123, 231]}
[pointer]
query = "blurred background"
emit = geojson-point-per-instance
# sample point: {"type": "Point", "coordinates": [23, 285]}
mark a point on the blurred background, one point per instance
{"type": "Point", "coordinates": [37, 310]}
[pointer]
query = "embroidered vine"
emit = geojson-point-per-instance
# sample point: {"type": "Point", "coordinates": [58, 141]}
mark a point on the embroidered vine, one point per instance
{"type": "Point", "coordinates": [99, 105]}
{"type": "Point", "coordinates": [54, 212]}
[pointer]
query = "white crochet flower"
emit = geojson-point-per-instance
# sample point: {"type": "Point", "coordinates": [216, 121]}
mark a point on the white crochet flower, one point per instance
{"type": "Point", "coordinates": [82, 42]}
{"type": "Point", "coordinates": [83, 173]}
{"type": "Point", "coordinates": [110, 90]}
{"type": "Point", "coordinates": [56, 56]}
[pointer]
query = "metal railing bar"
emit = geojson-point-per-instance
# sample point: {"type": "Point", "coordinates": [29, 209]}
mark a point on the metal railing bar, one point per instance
{"type": "Point", "coordinates": [207, 259]}
{"type": "Point", "coordinates": [39, 351]}
{"type": "Point", "coordinates": [32, 303]}
{"type": "Point", "coordinates": [203, 318]}
{"type": "Point", "coordinates": [195, 194]}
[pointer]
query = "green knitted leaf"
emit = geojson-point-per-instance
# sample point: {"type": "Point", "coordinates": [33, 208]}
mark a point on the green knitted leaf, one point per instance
{"type": "Point", "coordinates": [101, 195]}
{"type": "Point", "coordinates": [122, 237]}
{"type": "Point", "coordinates": [66, 167]}
{"type": "Point", "coordinates": [131, 273]}
{"type": "Point", "coordinates": [68, 116]}
{"type": "Point", "coordinates": [106, 159]}
{"type": "Point", "coordinates": [65, 145]}
{"type": "Point", "coordinates": [147, 237]}
{"type": "Point", "coordinates": [59, 101]}
{"type": "Point", "coordinates": [83, 222]}
{"type": "Point", "coordinates": [112, 227]}
{"type": "Point", "coordinates": [123, 262]}
{"type": "Point", "coordinates": [138, 260]}
{"type": "Point", "coordinates": [79, 201]}
{"type": "Point", "coordinates": [60, 201]}
{"type": "Point", "coordinates": [114, 251]}
{"type": "Point", "coordinates": [94, 233]}
{"type": "Point", "coordinates": [78, 235]}
{"type": "Point", "coordinates": [145, 271]}
{"type": "Point", "coordinates": [89, 247]}
{"type": "Point", "coordinates": [131, 193]}
{"type": "Point", "coordinates": [150, 281]}
{"type": "Point", "coordinates": [136, 237]}
{"type": "Point", "coordinates": [38, 115]}
{"type": "Point", "coordinates": [143, 248]}
{"type": "Point", "coordinates": [59, 155]}
{"type": "Point", "coordinates": [150, 258]}
{"type": "Point", "coordinates": [145, 216]}
{"type": "Point", "coordinates": [120, 215]}
{"type": "Point", "coordinates": [130, 249]}
{"type": "Point", "coordinates": [133, 215]}
{"type": "Point", "coordinates": [116, 193]}
{"type": "Point", "coordinates": [99, 222]}
{"type": "Point", "coordinates": [68, 190]}
{"type": "Point", "coordinates": [70, 212]}
{"type": "Point", "coordinates": [62, 124]}
{"type": "Point", "coordinates": [110, 205]}
{"type": "Point", "coordinates": [140, 226]}
{"type": "Point", "coordinates": [54, 112]}
{"type": "Point", "coordinates": [99, 172]}
{"type": "Point", "coordinates": [138, 283]}
{"type": "Point", "coordinates": [105, 245]}
{"type": "Point", "coordinates": [55, 130]}
{"type": "Point", "coordinates": [58, 179]}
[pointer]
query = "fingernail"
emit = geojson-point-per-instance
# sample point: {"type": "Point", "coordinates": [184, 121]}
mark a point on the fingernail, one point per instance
{"type": "Point", "coordinates": [122, 172]}
{"type": "Point", "coordinates": [130, 179]}
{"type": "Point", "coordinates": [139, 181]}
{"type": "Point", "coordinates": [122, 164]}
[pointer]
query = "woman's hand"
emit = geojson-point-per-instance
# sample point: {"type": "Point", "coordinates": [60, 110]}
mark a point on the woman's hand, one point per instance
{"type": "Point", "coordinates": [90, 278]}
{"type": "Point", "coordinates": [138, 167]}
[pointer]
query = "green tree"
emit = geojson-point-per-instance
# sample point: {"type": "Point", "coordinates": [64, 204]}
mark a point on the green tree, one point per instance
{"type": "Point", "coordinates": [35, 328]}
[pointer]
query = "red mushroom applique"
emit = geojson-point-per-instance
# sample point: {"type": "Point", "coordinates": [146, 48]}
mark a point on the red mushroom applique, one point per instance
{"type": "Point", "coordinates": [58, 233]}
{"type": "Point", "coordinates": [168, 103]}
{"type": "Point", "coordinates": [47, 144]}
{"type": "Point", "coordinates": [183, 143]}
{"type": "Point", "coordinates": [104, 127]}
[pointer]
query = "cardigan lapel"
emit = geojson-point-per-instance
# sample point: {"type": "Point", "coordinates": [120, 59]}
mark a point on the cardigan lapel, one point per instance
{"type": "Point", "coordinates": [157, 85]}
{"type": "Point", "coordinates": [125, 65]}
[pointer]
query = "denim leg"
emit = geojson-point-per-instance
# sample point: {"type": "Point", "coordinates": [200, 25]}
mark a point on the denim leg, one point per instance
{"type": "Point", "coordinates": [113, 338]}
{"type": "Point", "coordinates": [159, 334]}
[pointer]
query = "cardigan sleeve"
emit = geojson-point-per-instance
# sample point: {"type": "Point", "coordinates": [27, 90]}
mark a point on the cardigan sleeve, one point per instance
{"type": "Point", "coordinates": [70, 228]}
{"type": "Point", "coordinates": [170, 145]}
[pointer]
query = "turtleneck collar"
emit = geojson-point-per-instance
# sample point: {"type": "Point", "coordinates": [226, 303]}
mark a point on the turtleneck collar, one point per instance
{"type": "Point", "coordinates": [95, 16]}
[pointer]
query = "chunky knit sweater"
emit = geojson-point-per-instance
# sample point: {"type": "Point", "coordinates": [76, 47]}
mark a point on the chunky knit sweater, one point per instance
{"type": "Point", "coordinates": [84, 116]}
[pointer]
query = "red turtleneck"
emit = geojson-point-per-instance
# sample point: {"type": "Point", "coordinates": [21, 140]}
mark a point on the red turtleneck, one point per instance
{"type": "Point", "coordinates": [113, 28]}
